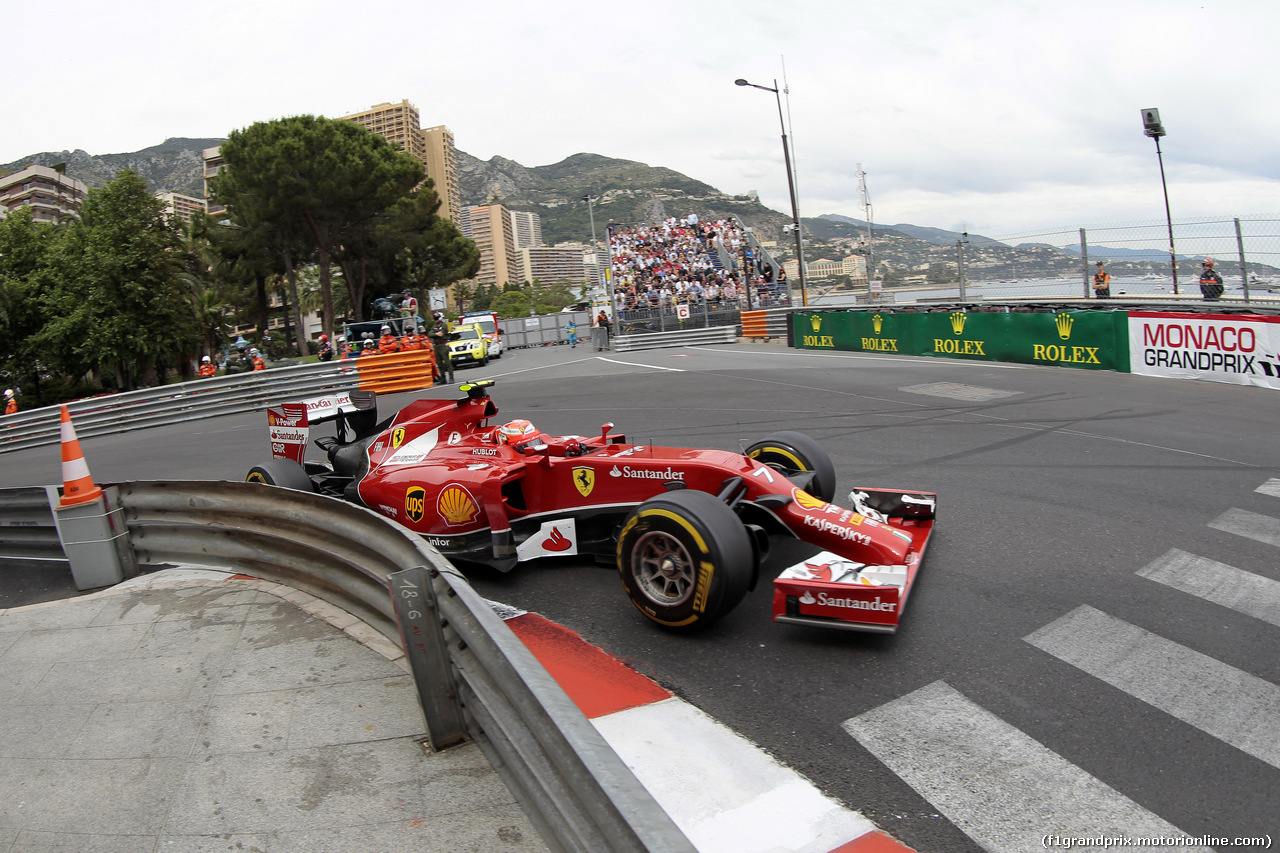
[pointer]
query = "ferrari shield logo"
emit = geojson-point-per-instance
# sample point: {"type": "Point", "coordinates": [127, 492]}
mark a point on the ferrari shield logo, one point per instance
{"type": "Point", "coordinates": [397, 437]}
{"type": "Point", "coordinates": [585, 479]}
{"type": "Point", "coordinates": [415, 502]}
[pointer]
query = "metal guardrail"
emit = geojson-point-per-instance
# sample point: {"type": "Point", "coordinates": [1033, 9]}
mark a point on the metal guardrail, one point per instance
{"type": "Point", "coordinates": [182, 401]}
{"type": "Point", "coordinates": [572, 784]}
{"type": "Point", "coordinates": [28, 532]}
{"type": "Point", "coordinates": [687, 337]}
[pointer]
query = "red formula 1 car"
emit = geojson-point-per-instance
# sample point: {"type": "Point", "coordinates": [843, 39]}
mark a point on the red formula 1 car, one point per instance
{"type": "Point", "coordinates": [688, 529]}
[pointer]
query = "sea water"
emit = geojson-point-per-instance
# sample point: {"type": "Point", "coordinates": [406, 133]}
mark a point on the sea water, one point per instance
{"type": "Point", "coordinates": [1057, 288]}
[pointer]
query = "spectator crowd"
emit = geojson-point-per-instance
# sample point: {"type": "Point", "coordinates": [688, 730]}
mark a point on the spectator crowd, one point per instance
{"type": "Point", "coordinates": [660, 266]}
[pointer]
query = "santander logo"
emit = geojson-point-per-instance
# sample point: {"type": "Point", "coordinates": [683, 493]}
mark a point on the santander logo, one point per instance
{"type": "Point", "coordinates": [556, 541]}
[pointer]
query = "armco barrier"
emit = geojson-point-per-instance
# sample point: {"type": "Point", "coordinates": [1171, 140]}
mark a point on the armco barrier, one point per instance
{"type": "Point", "coordinates": [688, 337]}
{"type": "Point", "coordinates": [573, 785]}
{"type": "Point", "coordinates": [208, 398]}
{"type": "Point", "coordinates": [28, 532]}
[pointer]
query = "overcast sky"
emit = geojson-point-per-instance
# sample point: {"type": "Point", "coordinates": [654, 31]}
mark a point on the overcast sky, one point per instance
{"type": "Point", "coordinates": [1002, 117]}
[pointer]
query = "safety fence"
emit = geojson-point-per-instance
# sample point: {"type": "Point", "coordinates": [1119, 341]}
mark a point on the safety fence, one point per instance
{"type": "Point", "coordinates": [476, 679]}
{"type": "Point", "coordinates": [220, 395]}
{"type": "Point", "coordinates": [544, 329]}
{"type": "Point", "coordinates": [1245, 251]}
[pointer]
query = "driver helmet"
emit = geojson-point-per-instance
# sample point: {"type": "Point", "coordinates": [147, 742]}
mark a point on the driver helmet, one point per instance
{"type": "Point", "coordinates": [1208, 262]}
{"type": "Point", "coordinates": [515, 432]}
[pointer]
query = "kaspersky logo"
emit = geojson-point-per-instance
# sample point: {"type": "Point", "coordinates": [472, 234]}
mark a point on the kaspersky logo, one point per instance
{"type": "Point", "coordinates": [953, 347]}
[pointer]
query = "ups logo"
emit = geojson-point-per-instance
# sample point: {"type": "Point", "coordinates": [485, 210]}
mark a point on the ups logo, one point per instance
{"type": "Point", "coordinates": [415, 503]}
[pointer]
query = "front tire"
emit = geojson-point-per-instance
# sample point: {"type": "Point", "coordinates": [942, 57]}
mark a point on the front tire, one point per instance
{"type": "Point", "coordinates": [685, 559]}
{"type": "Point", "coordinates": [795, 453]}
{"type": "Point", "coordinates": [281, 472]}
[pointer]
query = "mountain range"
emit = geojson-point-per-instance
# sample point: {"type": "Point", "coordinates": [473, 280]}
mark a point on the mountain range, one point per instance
{"type": "Point", "coordinates": [628, 192]}
{"type": "Point", "coordinates": [621, 190]}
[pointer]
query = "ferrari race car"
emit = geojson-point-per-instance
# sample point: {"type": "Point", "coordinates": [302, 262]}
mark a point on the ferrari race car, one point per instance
{"type": "Point", "coordinates": [688, 529]}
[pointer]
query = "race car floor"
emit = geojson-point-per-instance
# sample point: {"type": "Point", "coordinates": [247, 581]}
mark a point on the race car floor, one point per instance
{"type": "Point", "coordinates": [193, 710]}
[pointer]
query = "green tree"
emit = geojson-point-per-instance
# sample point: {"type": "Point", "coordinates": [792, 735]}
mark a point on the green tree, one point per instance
{"type": "Point", "coordinates": [484, 297]}
{"type": "Point", "coordinates": [117, 302]}
{"type": "Point", "coordinates": [328, 176]}
{"type": "Point", "coordinates": [25, 247]}
{"type": "Point", "coordinates": [940, 274]}
{"type": "Point", "coordinates": [513, 303]}
{"type": "Point", "coordinates": [433, 251]}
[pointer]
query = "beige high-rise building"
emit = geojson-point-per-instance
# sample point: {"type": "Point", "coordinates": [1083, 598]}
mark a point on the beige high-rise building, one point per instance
{"type": "Point", "coordinates": [51, 195]}
{"type": "Point", "coordinates": [182, 206]}
{"type": "Point", "coordinates": [433, 148]}
{"type": "Point", "coordinates": [442, 168]}
{"type": "Point", "coordinates": [559, 265]}
{"type": "Point", "coordinates": [528, 228]}
{"type": "Point", "coordinates": [213, 164]}
{"type": "Point", "coordinates": [490, 226]}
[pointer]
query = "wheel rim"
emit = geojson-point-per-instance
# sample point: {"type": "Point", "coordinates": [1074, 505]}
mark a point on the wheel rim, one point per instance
{"type": "Point", "coordinates": [664, 570]}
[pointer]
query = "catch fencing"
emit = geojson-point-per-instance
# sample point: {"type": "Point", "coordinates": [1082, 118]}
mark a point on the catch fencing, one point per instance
{"type": "Point", "coordinates": [1245, 250]}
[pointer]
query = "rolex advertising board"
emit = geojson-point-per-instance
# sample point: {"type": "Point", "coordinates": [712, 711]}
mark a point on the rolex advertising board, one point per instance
{"type": "Point", "coordinates": [1093, 340]}
{"type": "Point", "coordinates": [853, 331]}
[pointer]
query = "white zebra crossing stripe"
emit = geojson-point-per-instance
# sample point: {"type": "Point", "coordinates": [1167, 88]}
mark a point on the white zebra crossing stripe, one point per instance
{"type": "Point", "coordinates": [1227, 703]}
{"type": "Point", "coordinates": [1237, 589]}
{"type": "Point", "coordinates": [1251, 525]}
{"type": "Point", "coordinates": [1271, 487]}
{"type": "Point", "coordinates": [1002, 788]}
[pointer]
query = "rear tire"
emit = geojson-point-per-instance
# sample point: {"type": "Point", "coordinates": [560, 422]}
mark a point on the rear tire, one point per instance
{"type": "Point", "coordinates": [685, 559]}
{"type": "Point", "coordinates": [793, 453]}
{"type": "Point", "coordinates": [284, 473]}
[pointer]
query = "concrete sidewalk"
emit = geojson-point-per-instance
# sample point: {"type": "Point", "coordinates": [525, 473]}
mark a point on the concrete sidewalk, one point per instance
{"type": "Point", "coordinates": [193, 711]}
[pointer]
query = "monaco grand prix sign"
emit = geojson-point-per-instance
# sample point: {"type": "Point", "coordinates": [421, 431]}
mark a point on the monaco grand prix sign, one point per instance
{"type": "Point", "coordinates": [1237, 348]}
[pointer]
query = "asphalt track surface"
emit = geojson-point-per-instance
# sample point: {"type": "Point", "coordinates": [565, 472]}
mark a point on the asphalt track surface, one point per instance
{"type": "Point", "coordinates": [1047, 654]}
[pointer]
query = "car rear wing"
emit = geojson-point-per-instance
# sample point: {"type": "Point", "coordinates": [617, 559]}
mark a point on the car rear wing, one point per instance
{"type": "Point", "coordinates": [290, 423]}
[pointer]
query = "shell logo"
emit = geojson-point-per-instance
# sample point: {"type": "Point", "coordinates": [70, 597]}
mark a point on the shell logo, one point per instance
{"type": "Point", "coordinates": [456, 506]}
{"type": "Point", "coordinates": [807, 501]}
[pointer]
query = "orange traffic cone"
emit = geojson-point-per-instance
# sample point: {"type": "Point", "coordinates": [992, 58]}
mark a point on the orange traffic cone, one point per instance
{"type": "Point", "coordinates": [77, 484]}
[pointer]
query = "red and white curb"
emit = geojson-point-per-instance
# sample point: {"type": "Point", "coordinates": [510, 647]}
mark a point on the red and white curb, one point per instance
{"type": "Point", "coordinates": [724, 792]}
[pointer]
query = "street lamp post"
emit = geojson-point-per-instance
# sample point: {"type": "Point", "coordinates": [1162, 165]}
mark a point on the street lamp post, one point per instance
{"type": "Point", "coordinates": [1152, 127]}
{"type": "Point", "coordinates": [596, 251]}
{"type": "Point", "coordinates": [791, 185]}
